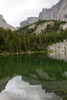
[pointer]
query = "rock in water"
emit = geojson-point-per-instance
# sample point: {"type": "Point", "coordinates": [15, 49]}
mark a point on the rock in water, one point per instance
{"type": "Point", "coordinates": [17, 89]}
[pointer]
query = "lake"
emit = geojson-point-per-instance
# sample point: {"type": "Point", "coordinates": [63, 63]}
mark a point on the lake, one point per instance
{"type": "Point", "coordinates": [36, 69]}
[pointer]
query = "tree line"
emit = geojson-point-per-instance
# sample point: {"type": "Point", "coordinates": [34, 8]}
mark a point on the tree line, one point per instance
{"type": "Point", "coordinates": [18, 41]}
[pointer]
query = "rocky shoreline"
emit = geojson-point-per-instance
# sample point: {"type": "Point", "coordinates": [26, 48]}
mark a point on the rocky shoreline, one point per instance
{"type": "Point", "coordinates": [58, 47]}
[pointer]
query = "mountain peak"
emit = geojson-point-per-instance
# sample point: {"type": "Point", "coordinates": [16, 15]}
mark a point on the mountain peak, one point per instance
{"type": "Point", "coordinates": [4, 24]}
{"type": "Point", "coordinates": [57, 12]}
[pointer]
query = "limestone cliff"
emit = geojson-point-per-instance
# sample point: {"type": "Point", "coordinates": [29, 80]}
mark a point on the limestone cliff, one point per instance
{"type": "Point", "coordinates": [57, 12]}
{"type": "Point", "coordinates": [4, 25]}
{"type": "Point", "coordinates": [29, 20]}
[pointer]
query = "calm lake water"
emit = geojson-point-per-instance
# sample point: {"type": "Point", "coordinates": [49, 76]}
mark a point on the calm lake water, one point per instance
{"type": "Point", "coordinates": [42, 69]}
{"type": "Point", "coordinates": [35, 66]}
{"type": "Point", "coordinates": [17, 89]}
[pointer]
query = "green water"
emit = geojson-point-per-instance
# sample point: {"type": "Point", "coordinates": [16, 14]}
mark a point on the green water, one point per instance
{"type": "Point", "coordinates": [51, 73]}
{"type": "Point", "coordinates": [35, 66]}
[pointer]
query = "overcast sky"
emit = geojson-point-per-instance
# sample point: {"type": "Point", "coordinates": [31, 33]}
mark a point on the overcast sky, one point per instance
{"type": "Point", "coordinates": [14, 11]}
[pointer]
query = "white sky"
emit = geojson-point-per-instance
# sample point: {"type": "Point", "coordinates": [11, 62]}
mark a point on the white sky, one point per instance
{"type": "Point", "coordinates": [15, 11]}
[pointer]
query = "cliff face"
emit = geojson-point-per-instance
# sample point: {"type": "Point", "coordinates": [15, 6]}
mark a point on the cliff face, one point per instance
{"type": "Point", "coordinates": [29, 20]}
{"type": "Point", "coordinates": [4, 25]}
{"type": "Point", "coordinates": [57, 12]}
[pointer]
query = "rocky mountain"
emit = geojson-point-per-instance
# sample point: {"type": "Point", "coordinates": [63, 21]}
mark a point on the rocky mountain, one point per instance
{"type": "Point", "coordinates": [29, 20]}
{"type": "Point", "coordinates": [4, 25]}
{"type": "Point", "coordinates": [57, 12]}
{"type": "Point", "coordinates": [43, 26]}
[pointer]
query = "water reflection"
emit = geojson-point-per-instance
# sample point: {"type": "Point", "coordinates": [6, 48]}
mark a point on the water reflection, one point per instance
{"type": "Point", "coordinates": [59, 55]}
{"type": "Point", "coordinates": [17, 89]}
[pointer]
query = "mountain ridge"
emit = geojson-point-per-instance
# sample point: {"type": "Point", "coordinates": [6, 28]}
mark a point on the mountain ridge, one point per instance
{"type": "Point", "coordinates": [4, 24]}
{"type": "Point", "coordinates": [56, 12]}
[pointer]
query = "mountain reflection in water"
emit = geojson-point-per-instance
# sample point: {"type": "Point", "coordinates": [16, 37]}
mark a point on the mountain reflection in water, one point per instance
{"type": "Point", "coordinates": [17, 89]}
